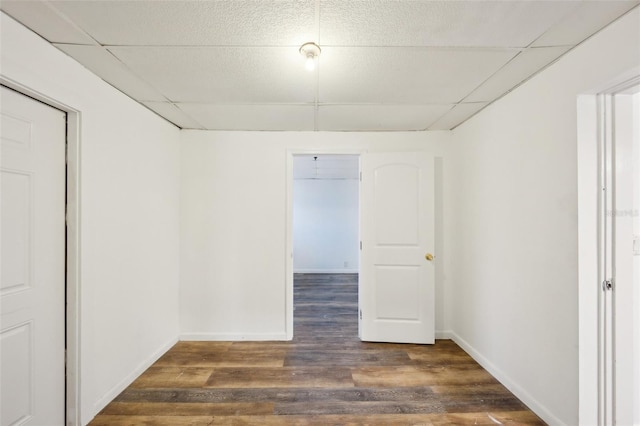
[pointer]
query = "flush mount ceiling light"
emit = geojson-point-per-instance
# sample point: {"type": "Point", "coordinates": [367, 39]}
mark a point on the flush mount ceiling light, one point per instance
{"type": "Point", "coordinates": [310, 51]}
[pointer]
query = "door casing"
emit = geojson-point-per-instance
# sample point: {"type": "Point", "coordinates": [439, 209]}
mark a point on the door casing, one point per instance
{"type": "Point", "coordinates": [73, 395]}
{"type": "Point", "coordinates": [594, 126]}
{"type": "Point", "coordinates": [289, 227]}
{"type": "Point", "coordinates": [290, 153]}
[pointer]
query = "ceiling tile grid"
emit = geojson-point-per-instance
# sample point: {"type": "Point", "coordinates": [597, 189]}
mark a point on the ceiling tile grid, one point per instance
{"type": "Point", "coordinates": [102, 62]}
{"type": "Point", "coordinates": [174, 114]}
{"type": "Point", "coordinates": [194, 23]}
{"type": "Point", "coordinates": [252, 117]}
{"type": "Point", "coordinates": [437, 23]}
{"type": "Point", "coordinates": [47, 21]}
{"type": "Point", "coordinates": [379, 117]}
{"type": "Point", "coordinates": [222, 74]}
{"type": "Point", "coordinates": [385, 65]}
{"type": "Point", "coordinates": [406, 74]}
{"type": "Point", "coordinates": [458, 114]}
{"type": "Point", "coordinates": [515, 72]}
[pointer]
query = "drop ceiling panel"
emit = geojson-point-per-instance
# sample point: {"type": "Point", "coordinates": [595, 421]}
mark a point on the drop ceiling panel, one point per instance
{"type": "Point", "coordinates": [111, 70]}
{"type": "Point", "coordinates": [256, 23]}
{"type": "Point", "coordinates": [437, 23]}
{"type": "Point", "coordinates": [251, 117]}
{"type": "Point", "coordinates": [222, 75]}
{"type": "Point", "coordinates": [385, 65]}
{"type": "Point", "coordinates": [520, 68]}
{"type": "Point", "coordinates": [46, 21]}
{"type": "Point", "coordinates": [457, 115]}
{"type": "Point", "coordinates": [589, 17]}
{"type": "Point", "coordinates": [173, 114]}
{"type": "Point", "coordinates": [405, 75]}
{"type": "Point", "coordinates": [379, 117]}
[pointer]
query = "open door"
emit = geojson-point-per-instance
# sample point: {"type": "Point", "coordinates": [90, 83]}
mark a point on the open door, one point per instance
{"type": "Point", "coordinates": [397, 233]}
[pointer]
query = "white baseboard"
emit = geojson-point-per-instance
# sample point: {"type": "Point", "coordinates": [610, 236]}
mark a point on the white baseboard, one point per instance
{"type": "Point", "coordinates": [326, 271]}
{"type": "Point", "coordinates": [234, 337]}
{"type": "Point", "coordinates": [444, 334]}
{"type": "Point", "coordinates": [122, 385]}
{"type": "Point", "coordinates": [509, 383]}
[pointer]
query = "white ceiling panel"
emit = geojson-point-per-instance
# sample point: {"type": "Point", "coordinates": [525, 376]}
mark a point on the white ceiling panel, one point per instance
{"type": "Point", "coordinates": [46, 21]}
{"type": "Point", "coordinates": [589, 17]}
{"type": "Point", "coordinates": [225, 74]}
{"type": "Point", "coordinates": [111, 70]}
{"type": "Point", "coordinates": [437, 23]}
{"type": "Point", "coordinates": [385, 64]}
{"type": "Point", "coordinates": [173, 114]}
{"type": "Point", "coordinates": [379, 117]}
{"type": "Point", "coordinates": [251, 117]}
{"type": "Point", "coordinates": [167, 23]}
{"type": "Point", "coordinates": [457, 115]}
{"type": "Point", "coordinates": [520, 68]}
{"type": "Point", "coordinates": [405, 75]}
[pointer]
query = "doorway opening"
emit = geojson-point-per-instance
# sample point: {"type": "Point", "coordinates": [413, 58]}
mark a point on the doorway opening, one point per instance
{"type": "Point", "coordinates": [396, 280]}
{"type": "Point", "coordinates": [609, 254]}
{"type": "Point", "coordinates": [326, 252]}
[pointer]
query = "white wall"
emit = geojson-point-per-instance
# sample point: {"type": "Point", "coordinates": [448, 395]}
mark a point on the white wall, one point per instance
{"type": "Point", "coordinates": [234, 219]}
{"type": "Point", "coordinates": [129, 216]}
{"type": "Point", "coordinates": [325, 225]}
{"type": "Point", "coordinates": [516, 294]}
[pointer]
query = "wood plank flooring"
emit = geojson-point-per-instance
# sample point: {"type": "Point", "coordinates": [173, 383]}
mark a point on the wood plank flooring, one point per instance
{"type": "Point", "coordinates": [325, 376]}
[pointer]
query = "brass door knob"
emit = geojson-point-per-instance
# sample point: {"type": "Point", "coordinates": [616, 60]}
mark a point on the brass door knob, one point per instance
{"type": "Point", "coordinates": [428, 256]}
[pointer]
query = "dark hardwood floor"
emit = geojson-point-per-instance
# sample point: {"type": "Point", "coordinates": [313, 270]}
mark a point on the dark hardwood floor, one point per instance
{"type": "Point", "coordinates": [325, 376]}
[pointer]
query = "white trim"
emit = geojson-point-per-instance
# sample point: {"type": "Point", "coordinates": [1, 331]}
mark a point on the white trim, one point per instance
{"type": "Point", "coordinates": [74, 293]}
{"type": "Point", "coordinates": [444, 335]}
{"type": "Point", "coordinates": [591, 357]}
{"type": "Point", "coordinates": [233, 337]}
{"type": "Point", "coordinates": [73, 308]}
{"type": "Point", "coordinates": [588, 286]}
{"type": "Point", "coordinates": [508, 382]}
{"type": "Point", "coordinates": [288, 254]}
{"type": "Point", "coordinates": [326, 271]}
{"type": "Point", "coordinates": [125, 382]}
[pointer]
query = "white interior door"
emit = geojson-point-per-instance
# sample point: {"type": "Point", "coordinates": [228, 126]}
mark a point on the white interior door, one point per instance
{"type": "Point", "coordinates": [32, 286]}
{"type": "Point", "coordinates": [396, 280]}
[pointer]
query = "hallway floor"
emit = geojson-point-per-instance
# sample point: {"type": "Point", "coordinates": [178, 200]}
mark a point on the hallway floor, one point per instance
{"type": "Point", "coordinates": [326, 375]}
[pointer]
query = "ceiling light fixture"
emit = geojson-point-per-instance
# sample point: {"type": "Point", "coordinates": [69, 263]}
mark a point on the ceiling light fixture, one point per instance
{"type": "Point", "coordinates": [310, 51]}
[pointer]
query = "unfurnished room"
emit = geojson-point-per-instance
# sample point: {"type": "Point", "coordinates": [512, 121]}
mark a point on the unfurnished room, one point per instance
{"type": "Point", "coordinates": [312, 212]}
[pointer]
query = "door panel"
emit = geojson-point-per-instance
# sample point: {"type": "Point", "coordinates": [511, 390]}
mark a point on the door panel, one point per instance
{"type": "Point", "coordinates": [16, 217]}
{"type": "Point", "coordinates": [17, 360]}
{"type": "Point", "coordinates": [396, 210]}
{"type": "Point", "coordinates": [32, 287]}
{"type": "Point", "coordinates": [396, 287]}
{"type": "Point", "coordinates": [396, 281]}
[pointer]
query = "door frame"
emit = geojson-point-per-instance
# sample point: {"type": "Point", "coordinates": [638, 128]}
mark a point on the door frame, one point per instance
{"type": "Point", "coordinates": [72, 278]}
{"type": "Point", "coordinates": [593, 130]}
{"type": "Point", "coordinates": [288, 255]}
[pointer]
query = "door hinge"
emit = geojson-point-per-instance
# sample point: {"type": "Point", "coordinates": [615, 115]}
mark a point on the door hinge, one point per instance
{"type": "Point", "coordinates": [360, 313]}
{"type": "Point", "coordinates": [360, 245]}
{"type": "Point", "coordinates": [607, 285]}
{"type": "Point", "coordinates": [360, 176]}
